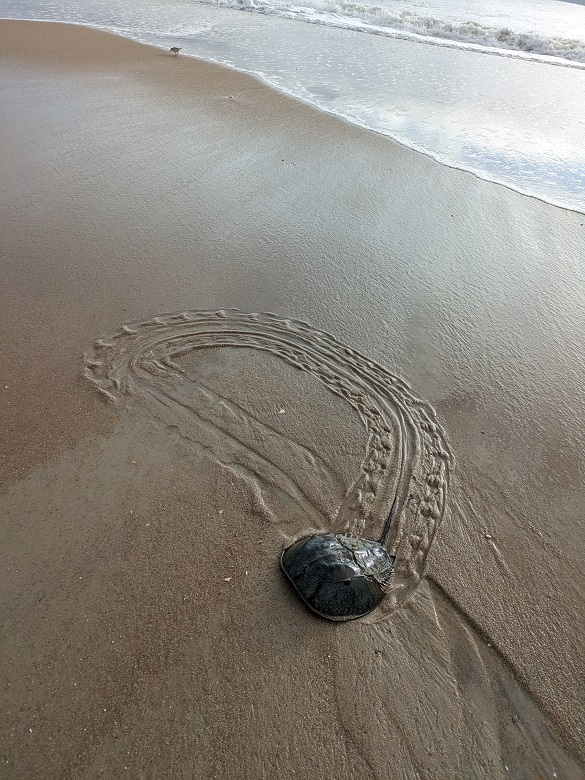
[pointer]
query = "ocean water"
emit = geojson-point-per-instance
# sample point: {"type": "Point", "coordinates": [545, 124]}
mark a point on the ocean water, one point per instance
{"type": "Point", "coordinates": [496, 88]}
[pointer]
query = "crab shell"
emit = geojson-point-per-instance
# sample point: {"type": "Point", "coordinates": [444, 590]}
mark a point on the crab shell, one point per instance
{"type": "Point", "coordinates": [339, 576]}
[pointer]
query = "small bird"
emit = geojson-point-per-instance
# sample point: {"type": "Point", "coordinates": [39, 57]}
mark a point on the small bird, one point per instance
{"type": "Point", "coordinates": [175, 50]}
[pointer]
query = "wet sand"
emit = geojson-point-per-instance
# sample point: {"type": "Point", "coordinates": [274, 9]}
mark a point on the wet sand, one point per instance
{"type": "Point", "coordinates": [147, 629]}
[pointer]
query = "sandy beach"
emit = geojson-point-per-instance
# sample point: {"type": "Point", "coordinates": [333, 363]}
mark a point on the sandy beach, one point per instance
{"type": "Point", "coordinates": [148, 631]}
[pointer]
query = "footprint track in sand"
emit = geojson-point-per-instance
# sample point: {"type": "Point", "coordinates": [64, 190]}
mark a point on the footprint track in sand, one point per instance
{"type": "Point", "coordinates": [399, 494]}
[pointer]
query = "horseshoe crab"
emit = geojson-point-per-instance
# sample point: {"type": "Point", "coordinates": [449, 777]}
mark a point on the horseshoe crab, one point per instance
{"type": "Point", "coordinates": [339, 576]}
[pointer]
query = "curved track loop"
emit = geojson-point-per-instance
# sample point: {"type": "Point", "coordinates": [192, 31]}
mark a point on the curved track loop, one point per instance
{"type": "Point", "coordinates": [399, 493]}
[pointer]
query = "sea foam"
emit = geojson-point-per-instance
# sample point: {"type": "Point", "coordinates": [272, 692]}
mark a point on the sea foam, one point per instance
{"type": "Point", "coordinates": [379, 20]}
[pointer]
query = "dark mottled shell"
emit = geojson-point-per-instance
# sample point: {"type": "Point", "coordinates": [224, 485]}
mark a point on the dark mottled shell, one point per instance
{"type": "Point", "coordinates": [339, 576]}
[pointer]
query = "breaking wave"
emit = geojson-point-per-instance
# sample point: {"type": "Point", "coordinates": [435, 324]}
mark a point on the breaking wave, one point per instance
{"type": "Point", "coordinates": [409, 23]}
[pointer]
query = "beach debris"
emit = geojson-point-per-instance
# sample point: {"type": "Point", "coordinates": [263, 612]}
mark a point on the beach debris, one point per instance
{"type": "Point", "coordinates": [175, 50]}
{"type": "Point", "coordinates": [226, 579]}
{"type": "Point", "coordinates": [339, 576]}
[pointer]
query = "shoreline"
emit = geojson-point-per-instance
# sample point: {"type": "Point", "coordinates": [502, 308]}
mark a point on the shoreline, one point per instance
{"type": "Point", "coordinates": [136, 184]}
{"type": "Point", "coordinates": [393, 137]}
